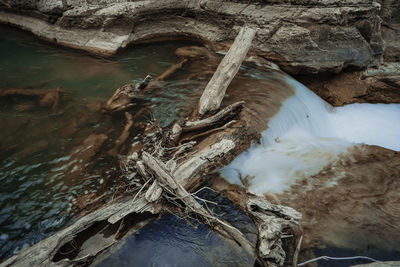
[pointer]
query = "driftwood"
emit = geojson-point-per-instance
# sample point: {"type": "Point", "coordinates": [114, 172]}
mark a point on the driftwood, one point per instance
{"type": "Point", "coordinates": [171, 70]}
{"type": "Point", "coordinates": [42, 253]}
{"type": "Point", "coordinates": [274, 223]}
{"type": "Point", "coordinates": [167, 173]}
{"type": "Point", "coordinates": [123, 96]}
{"type": "Point", "coordinates": [212, 121]}
{"type": "Point", "coordinates": [168, 181]}
{"type": "Point", "coordinates": [227, 69]}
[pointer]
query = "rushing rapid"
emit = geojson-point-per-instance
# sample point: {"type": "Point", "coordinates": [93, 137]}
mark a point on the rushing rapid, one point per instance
{"type": "Point", "coordinates": [307, 134]}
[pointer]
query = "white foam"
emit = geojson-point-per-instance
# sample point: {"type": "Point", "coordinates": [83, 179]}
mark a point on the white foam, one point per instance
{"type": "Point", "coordinates": [308, 134]}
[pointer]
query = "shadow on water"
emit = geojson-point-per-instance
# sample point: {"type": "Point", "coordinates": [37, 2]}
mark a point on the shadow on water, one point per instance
{"type": "Point", "coordinates": [173, 241]}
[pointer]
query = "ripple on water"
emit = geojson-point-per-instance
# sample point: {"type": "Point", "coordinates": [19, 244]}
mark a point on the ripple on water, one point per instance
{"type": "Point", "coordinates": [36, 142]}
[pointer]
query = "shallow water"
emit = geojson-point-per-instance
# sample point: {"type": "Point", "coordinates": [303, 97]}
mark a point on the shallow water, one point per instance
{"type": "Point", "coordinates": [311, 159]}
{"type": "Point", "coordinates": [171, 241]}
{"type": "Point", "coordinates": [35, 142]}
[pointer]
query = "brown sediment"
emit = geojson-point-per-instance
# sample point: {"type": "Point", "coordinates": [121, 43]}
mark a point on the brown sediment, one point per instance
{"type": "Point", "coordinates": [374, 85]}
{"type": "Point", "coordinates": [47, 98]}
{"type": "Point", "coordinates": [354, 203]}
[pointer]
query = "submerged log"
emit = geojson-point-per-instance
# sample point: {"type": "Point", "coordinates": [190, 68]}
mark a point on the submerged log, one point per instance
{"type": "Point", "coordinates": [171, 70]}
{"type": "Point", "coordinates": [47, 98]}
{"type": "Point", "coordinates": [124, 135]}
{"type": "Point", "coordinates": [226, 71]}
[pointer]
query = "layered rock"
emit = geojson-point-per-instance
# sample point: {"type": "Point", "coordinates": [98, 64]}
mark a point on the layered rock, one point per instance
{"type": "Point", "coordinates": [373, 85]}
{"type": "Point", "coordinates": [390, 13]}
{"type": "Point", "coordinates": [302, 36]}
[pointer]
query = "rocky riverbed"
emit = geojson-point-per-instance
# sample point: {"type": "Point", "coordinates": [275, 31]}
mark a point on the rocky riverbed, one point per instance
{"type": "Point", "coordinates": [346, 51]}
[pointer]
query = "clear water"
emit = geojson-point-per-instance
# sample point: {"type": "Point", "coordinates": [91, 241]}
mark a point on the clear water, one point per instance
{"type": "Point", "coordinates": [171, 241]}
{"type": "Point", "coordinates": [35, 142]}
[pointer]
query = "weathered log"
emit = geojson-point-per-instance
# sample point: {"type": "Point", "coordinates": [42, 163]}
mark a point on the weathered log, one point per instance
{"type": "Point", "coordinates": [171, 70]}
{"type": "Point", "coordinates": [213, 130]}
{"type": "Point", "coordinates": [42, 253]}
{"type": "Point", "coordinates": [219, 118]}
{"type": "Point", "coordinates": [123, 96]}
{"type": "Point", "coordinates": [274, 223]}
{"type": "Point", "coordinates": [227, 69]}
{"type": "Point", "coordinates": [166, 179]}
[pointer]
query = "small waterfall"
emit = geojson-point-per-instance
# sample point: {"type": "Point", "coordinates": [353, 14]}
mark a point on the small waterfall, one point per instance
{"type": "Point", "coordinates": [307, 135]}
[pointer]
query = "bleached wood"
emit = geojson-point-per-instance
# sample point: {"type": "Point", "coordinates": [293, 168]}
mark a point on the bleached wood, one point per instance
{"type": "Point", "coordinates": [166, 178]}
{"type": "Point", "coordinates": [230, 110]}
{"type": "Point", "coordinates": [215, 90]}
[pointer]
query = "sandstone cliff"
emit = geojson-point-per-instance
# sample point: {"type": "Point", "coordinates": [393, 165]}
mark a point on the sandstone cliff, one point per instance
{"type": "Point", "coordinates": [302, 36]}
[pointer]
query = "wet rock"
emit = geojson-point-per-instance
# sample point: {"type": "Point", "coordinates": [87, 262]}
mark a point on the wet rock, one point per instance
{"type": "Point", "coordinates": [352, 204]}
{"type": "Point", "coordinates": [374, 85]}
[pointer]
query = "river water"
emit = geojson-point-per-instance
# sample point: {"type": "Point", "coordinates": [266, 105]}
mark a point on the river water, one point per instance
{"type": "Point", "coordinates": [35, 142]}
{"type": "Point", "coordinates": [333, 165]}
{"type": "Point", "coordinates": [301, 142]}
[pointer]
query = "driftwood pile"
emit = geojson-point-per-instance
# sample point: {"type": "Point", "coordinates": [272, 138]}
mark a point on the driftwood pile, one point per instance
{"type": "Point", "coordinates": [170, 164]}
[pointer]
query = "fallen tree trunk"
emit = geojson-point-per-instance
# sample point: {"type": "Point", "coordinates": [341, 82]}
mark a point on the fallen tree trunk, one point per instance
{"type": "Point", "coordinates": [167, 180]}
{"type": "Point", "coordinates": [165, 169]}
{"type": "Point", "coordinates": [42, 253]}
{"type": "Point", "coordinates": [226, 71]}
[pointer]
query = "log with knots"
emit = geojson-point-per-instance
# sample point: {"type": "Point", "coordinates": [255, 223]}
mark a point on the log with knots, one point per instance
{"type": "Point", "coordinates": [170, 165]}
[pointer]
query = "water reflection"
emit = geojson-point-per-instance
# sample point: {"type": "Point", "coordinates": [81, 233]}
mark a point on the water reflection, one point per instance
{"type": "Point", "coordinates": [172, 241]}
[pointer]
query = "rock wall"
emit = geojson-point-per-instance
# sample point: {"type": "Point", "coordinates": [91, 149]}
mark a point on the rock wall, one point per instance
{"type": "Point", "coordinates": [302, 36]}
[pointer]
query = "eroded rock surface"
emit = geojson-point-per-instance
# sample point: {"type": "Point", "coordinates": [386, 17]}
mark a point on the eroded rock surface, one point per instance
{"type": "Point", "coordinates": [301, 36]}
{"type": "Point", "coordinates": [373, 85]}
